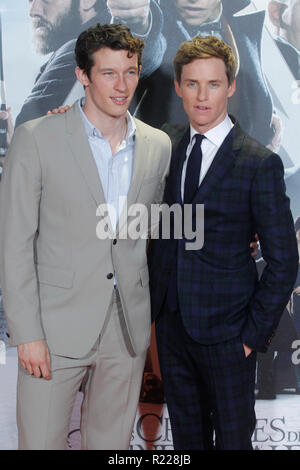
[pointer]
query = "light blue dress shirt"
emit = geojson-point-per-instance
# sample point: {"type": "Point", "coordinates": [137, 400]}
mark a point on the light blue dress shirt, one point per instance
{"type": "Point", "coordinates": [115, 171]}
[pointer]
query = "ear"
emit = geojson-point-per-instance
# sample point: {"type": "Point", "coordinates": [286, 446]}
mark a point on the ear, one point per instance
{"type": "Point", "coordinates": [177, 88]}
{"type": "Point", "coordinates": [231, 89]}
{"type": "Point", "coordinates": [82, 76]}
{"type": "Point", "coordinates": [274, 13]}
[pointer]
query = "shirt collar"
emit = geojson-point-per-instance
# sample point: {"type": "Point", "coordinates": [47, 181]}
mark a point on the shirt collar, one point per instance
{"type": "Point", "coordinates": [92, 131]}
{"type": "Point", "coordinates": [217, 134]}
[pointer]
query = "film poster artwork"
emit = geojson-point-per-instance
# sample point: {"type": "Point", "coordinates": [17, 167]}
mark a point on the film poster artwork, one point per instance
{"type": "Point", "coordinates": [37, 39]}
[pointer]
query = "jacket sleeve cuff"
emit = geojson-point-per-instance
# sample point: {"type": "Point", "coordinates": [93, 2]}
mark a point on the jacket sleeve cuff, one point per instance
{"type": "Point", "coordinates": [256, 340]}
{"type": "Point", "coordinates": [24, 335]}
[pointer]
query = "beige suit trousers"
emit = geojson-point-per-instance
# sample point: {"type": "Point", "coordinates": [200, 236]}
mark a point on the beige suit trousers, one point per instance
{"type": "Point", "coordinates": [110, 376]}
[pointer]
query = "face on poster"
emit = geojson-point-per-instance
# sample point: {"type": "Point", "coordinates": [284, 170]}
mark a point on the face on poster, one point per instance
{"type": "Point", "coordinates": [21, 61]}
{"type": "Point", "coordinates": [281, 66]}
{"type": "Point", "coordinates": [32, 30]}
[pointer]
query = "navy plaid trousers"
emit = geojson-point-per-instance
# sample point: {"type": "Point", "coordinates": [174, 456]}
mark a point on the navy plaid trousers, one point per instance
{"type": "Point", "coordinates": [209, 389]}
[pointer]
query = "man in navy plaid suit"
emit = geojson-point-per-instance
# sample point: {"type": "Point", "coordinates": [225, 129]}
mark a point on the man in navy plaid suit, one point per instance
{"type": "Point", "coordinates": [212, 314]}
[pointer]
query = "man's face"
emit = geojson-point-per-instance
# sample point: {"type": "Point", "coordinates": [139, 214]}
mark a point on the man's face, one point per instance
{"type": "Point", "coordinates": [291, 16]}
{"type": "Point", "coordinates": [196, 12]}
{"type": "Point", "coordinates": [55, 22]}
{"type": "Point", "coordinates": [112, 83]}
{"type": "Point", "coordinates": [204, 90]}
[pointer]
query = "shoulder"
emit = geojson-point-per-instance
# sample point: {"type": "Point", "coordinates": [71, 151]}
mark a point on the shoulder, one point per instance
{"type": "Point", "coordinates": [254, 148]}
{"type": "Point", "coordinates": [175, 132]}
{"type": "Point", "coordinates": [48, 125]}
{"type": "Point", "coordinates": [156, 141]}
{"type": "Point", "coordinates": [62, 58]}
{"type": "Point", "coordinates": [249, 24]}
{"type": "Point", "coordinates": [245, 144]}
{"type": "Point", "coordinates": [253, 151]}
{"type": "Point", "coordinates": [44, 122]}
{"type": "Point", "coordinates": [154, 134]}
{"type": "Point", "coordinates": [66, 50]}
{"type": "Point", "coordinates": [61, 62]}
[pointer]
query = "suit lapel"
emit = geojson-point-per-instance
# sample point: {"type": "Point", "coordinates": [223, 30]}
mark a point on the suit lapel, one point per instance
{"type": "Point", "coordinates": [140, 166]}
{"type": "Point", "coordinates": [178, 158]}
{"type": "Point", "coordinates": [83, 156]}
{"type": "Point", "coordinates": [222, 163]}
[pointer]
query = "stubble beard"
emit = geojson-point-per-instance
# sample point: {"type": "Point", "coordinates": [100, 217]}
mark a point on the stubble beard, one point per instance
{"type": "Point", "coordinates": [53, 36]}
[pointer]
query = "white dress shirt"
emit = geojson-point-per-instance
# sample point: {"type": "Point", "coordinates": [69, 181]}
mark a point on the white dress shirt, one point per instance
{"type": "Point", "coordinates": [209, 146]}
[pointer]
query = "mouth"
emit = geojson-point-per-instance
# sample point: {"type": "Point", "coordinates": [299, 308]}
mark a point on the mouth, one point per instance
{"type": "Point", "coordinates": [41, 26]}
{"type": "Point", "coordinates": [193, 10]}
{"type": "Point", "coordinates": [202, 108]}
{"type": "Point", "coordinates": [119, 100]}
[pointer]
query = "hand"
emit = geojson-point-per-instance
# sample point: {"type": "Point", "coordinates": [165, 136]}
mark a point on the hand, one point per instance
{"type": "Point", "coordinates": [247, 350]}
{"type": "Point", "coordinates": [254, 246]}
{"type": "Point", "coordinates": [275, 143]}
{"type": "Point", "coordinates": [134, 13]}
{"type": "Point", "coordinates": [35, 358]}
{"type": "Point", "coordinates": [60, 110]}
{"type": "Point", "coordinates": [297, 290]}
{"type": "Point", "coordinates": [6, 116]}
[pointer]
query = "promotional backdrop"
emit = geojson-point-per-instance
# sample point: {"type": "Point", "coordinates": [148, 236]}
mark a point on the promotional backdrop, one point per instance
{"type": "Point", "coordinates": [37, 74]}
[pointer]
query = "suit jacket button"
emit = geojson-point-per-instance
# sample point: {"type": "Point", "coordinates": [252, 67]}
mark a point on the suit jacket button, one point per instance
{"type": "Point", "coordinates": [110, 276]}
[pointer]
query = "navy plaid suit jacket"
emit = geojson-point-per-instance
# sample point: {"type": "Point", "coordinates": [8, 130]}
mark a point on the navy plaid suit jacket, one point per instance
{"type": "Point", "coordinates": [219, 293]}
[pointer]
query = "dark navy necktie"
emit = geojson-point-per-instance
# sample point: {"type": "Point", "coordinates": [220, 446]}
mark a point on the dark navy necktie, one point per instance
{"type": "Point", "coordinates": [193, 168]}
{"type": "Point", "coordinates": [190, 187]}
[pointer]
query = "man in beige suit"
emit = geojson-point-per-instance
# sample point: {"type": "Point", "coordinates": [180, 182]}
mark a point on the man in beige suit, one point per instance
{"type": "Point", "coordinates": [77, 304]}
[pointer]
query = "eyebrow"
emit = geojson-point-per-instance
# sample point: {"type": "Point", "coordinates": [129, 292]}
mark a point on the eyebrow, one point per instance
{"type": "Point", "coordinates": [112, 69]}
{"type": "Point", "coordinates": [197, 80]}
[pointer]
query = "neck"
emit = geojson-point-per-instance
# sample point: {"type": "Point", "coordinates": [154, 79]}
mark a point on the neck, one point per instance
{"type": "Point", "coordinates": [86, 14]}
{"type": "Point", "coordinates": [293, 37]}
{"type": "Point", "coordinates": [112, 128]}
{"type": "Point", "coordinates": [215, 13]}
{"type": "Point", "coordinates": [202, 129]}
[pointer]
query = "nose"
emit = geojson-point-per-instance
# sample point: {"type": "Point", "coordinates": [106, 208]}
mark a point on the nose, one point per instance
{"type": "Point", "coordinates": [36, 8]}
{"type": "Point", "coordinates": [121, 84]}
{"type": "Point", "coordinates": [202, 93]}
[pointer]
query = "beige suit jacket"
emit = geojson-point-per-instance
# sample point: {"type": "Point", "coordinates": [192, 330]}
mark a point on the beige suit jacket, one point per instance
{"type": "Point", "coordinates": [55, 273]}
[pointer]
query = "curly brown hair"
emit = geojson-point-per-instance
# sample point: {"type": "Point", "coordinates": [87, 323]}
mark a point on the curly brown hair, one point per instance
{"type": "Point", "coordinates": [205, 48]}
{"type": "Point", "coordinates": [114, 36]}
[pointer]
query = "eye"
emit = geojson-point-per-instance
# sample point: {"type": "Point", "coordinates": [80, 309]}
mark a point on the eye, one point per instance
{"type": "Point", "coordinates": [108, 73]}
{"type": "Point", "coordinates": [132, 73]}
